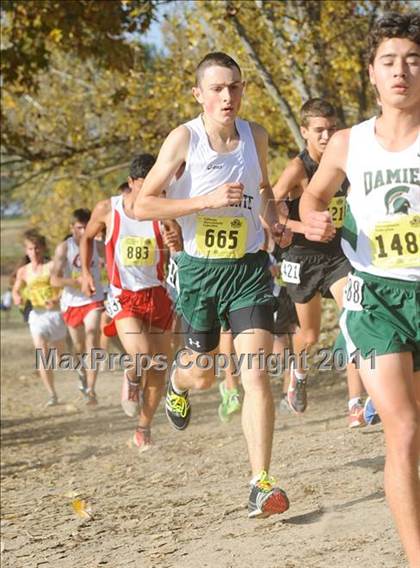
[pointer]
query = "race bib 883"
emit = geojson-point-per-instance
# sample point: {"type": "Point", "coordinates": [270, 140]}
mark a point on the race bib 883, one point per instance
{"type": "Point", "coordinates": [138, 251]}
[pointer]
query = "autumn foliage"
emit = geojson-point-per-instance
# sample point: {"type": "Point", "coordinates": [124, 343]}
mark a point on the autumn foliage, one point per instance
{"type": "Point", "coordinates": [83, 91]}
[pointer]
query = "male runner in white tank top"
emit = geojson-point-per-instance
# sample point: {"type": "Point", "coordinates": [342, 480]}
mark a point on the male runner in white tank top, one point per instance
{"type": "Point", "coordinates": [81, 313]}
{"type": "Point", "coordinates": [381, 238]}
{"type": "Point", "coordinates": [139, 304]}
{"type": "Point", "coordinates": [215, 174]}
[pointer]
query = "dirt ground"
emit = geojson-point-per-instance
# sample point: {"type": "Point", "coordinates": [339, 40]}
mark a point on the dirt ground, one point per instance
{"type": "Point", "coordinates": [182, 504]}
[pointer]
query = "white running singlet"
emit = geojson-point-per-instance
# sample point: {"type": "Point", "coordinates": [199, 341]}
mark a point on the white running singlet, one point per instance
{"type": "Point", "coordinates": [228, 232]}
{"type": "Point", "coordinates": [72, 297]}
{"type": "Point", "coordinates": [381, 233]}
{"type": "Point", "coordinates": [134, 252]}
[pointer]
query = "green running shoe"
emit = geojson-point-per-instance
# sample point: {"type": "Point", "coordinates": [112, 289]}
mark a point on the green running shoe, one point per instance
{"type": "Point", "coordinates": [230, 402]}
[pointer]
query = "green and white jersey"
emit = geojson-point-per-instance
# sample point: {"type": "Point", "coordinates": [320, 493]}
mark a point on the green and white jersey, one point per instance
{"type": "Point", "coordinates": [381, 233]}
{"type": "Point", "coordinates": [228, 232]}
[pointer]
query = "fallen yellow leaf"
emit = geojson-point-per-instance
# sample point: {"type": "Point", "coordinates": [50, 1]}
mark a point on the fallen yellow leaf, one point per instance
{"type": "Point", "coordinates": [81, 508]}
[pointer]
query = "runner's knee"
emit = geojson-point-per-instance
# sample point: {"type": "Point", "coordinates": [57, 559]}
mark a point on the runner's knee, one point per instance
{"type": "Point", "coordinates": [203, 378]}
{"type": "Point", "coordinates": [402, 434]}
{"type": "Point", "coordinates": [91, 334]}
{"type": "Point", "coordinates": [79, 346]}
{"type": "Point", "coordinates": [309, 336]}
{"type": "Point", "coordinates": [204, 382]}
{"type": "Point", "coordinates": [255, 380]}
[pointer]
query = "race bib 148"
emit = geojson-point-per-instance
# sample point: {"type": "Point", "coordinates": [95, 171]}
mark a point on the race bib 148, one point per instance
{"type": "Point", "coordinates": [395, 244]}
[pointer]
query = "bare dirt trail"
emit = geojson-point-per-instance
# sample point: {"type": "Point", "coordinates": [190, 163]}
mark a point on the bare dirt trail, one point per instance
{"type": "Point", "coordinates": [182, 504]}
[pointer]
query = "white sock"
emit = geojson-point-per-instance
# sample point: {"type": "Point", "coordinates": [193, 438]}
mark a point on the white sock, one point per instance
{"type": "Point", "coordinates": [353, 401]}
{"type": "Point", "coordinates": [299, 375]}
{"type": "Point", "coordinates": [255, 479]}
{"type": "Point", "coordinates": [176, 389]}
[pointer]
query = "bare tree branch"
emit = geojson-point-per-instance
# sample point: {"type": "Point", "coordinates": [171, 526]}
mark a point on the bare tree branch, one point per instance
{"type": "Point", "coordinates": [297, 75]}
{"type": "Point", "coordinates": [33, 176]}
{"type": "Point", "coordinates": [268, 80]}
{"type": "Point", "coordinates": [98, 174]}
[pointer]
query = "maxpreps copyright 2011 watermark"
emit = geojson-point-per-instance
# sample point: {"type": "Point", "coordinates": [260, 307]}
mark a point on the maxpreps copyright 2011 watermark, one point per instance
{"type": "Point", "coordinates": [323, 360]}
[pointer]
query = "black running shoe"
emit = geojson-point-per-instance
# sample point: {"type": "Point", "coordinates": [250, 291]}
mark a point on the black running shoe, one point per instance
{"type": "Point", "coordinates": [177, 406]}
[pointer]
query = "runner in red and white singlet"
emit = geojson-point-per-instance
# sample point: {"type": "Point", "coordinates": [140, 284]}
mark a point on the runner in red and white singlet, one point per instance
{"type": "Point", "coordinates": [137, 301]}
{"type": "Point", "coordinates": [81, 313]}
{"type": "Point", "coordinates": [135, 263]}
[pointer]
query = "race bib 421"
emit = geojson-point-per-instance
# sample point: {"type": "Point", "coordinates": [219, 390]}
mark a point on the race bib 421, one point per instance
{"type": "Point", "coordinates": [221, 237]}
{"type": "Point", "coordinates": [290, 272]}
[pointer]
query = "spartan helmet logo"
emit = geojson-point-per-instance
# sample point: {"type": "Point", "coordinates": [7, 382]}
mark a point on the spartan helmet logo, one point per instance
{"type": "Point", "coordinates": [396, 201]}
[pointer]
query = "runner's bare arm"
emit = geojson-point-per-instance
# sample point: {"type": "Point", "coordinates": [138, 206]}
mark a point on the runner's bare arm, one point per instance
{"type": "Point", "coordinates": [151, 205]}
{"type": "Point", "coordinates": [172, 235]}
{"type": "Point", "coordinates": [100, 247]}
{"type": "Point", "coordinates": [58, 266]}
{"type": "Point", "coordinates": [19, 283]}
{"type": "Point", "coordinates": [269, 214]}
{"type": "Point", "coordinates": [97, 223]}
{"type": "Point", "coordinates": [291, 185]}
{"type": "Point", "coordinates": [322, 187]}
{"type": "Point", "coordinates": [53, 303]}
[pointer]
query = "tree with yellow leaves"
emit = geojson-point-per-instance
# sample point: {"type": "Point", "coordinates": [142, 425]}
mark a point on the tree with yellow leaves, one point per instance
{"type": "Point", "coordinates": [82, 91]}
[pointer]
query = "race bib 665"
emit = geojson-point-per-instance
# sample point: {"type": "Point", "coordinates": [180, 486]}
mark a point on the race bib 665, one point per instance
{"type": "Point", "coordinates": [221, 237]}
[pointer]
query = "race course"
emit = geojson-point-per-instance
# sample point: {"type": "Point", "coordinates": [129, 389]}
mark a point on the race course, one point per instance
{"type": "Point", "coordinates": [182, 504]}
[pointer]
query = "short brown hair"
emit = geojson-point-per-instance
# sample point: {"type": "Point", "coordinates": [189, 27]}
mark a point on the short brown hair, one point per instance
{"type": "Point", "coordinates": [34, 237]}
{"type": "Point", "coordinates": [80, 216]}
{"type": "Point", "coordinates": [392, 25]}
{"type": "Point", "coordinates": [124, 187]}
{"type": "Point", "coordinates": [315, 108]}
{"type": "Point", "coordinates": [141, 165]}
{"type": "Point", "coordinates": [217, 58]}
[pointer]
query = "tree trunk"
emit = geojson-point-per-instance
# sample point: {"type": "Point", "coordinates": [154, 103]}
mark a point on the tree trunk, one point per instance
{"type": "Point", "coordinates": [296, 75]}
{"type": "Point", "coordinates": [271, 87]}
